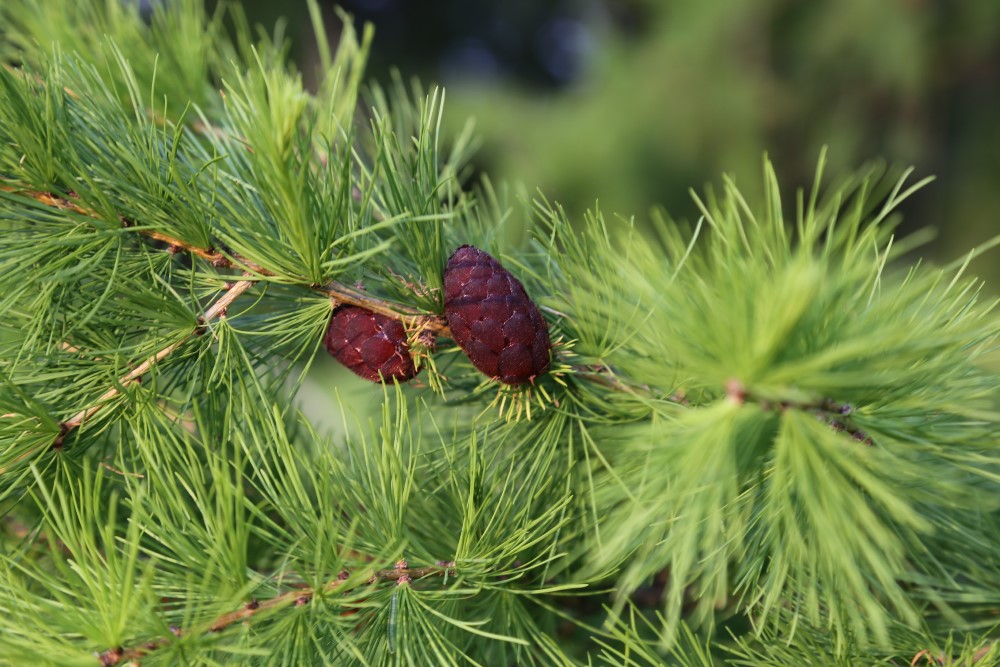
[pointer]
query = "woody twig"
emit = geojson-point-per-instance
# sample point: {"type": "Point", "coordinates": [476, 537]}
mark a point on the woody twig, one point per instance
{"type": "Point", "coordinates": [217, 309]}
{"type": "Point", "coordinates": [298, 597]}
{"type": "Point", "coordinates": [340, 293]}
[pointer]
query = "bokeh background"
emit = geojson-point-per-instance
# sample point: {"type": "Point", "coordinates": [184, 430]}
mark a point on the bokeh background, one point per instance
{"type": "Point", "coordinates": [633, 102]}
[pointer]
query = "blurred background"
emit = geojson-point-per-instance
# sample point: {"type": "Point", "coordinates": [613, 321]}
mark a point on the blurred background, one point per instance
{"type": "Point", "coordinates": [633, 102]}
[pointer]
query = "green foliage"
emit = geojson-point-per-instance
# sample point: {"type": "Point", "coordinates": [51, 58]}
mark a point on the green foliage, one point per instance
{"type": "Point", "coordinates": [787, 319]}
{"type": "Point", "coordinates": [181, 41]}
{"type": "Point", "coordinates": [765, 439]}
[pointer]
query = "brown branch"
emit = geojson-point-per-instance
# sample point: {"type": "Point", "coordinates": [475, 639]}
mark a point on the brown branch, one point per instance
{"type": "Point", "coordinates": [339, 292]}
{"type": "Point", "coordinates": [297, 597]}
{"type": "Point", "coordinates": [604, 375]}
{"type": "Point", "coordinates": [836, 415]}
{"type": "Point", "coordinates": [216, 309]}
{"type": "Point", "coordinates": [79, 418]}
{"type": "Point", "coordinates": [176, 245]}
{"type": "Point", "coordinates": [342, 294]}
{"type": "Point", "coordinates": [123, 473]}
{"type": "Point", "coordinates": [49, 199]}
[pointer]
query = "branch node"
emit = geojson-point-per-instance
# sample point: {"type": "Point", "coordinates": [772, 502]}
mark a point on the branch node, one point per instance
{"type": "Point", "coordinates": [60, 440]}
{"type": "Point", "coordinates": [112, 656]}
{"type": "Point", "coordinates": [736, 392]}
{"type": "Point", "coordinates": [448, 565]}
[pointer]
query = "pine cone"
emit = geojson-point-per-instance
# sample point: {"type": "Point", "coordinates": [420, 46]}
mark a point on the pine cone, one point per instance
{"type": "Point", "coordinates": [368, 342]}
{"type": "Point", "coordinates": [493, 319]}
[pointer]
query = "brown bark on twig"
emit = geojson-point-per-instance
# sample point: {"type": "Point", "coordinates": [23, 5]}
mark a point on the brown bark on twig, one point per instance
{"type": "Point", "coordinates": [210, 314]}
{"type": "Point", "coordinates": [837, 415]}
{"type": "Point", "coordinates": [215, 310]}
{"type": "Point", "coordinates": [294, 598]}
{"type": "Point", "coordinates": [340, 293]}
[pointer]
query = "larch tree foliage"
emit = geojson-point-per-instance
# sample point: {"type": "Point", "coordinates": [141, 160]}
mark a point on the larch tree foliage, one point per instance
{"type": "Point", "coordinates": [756, 438]}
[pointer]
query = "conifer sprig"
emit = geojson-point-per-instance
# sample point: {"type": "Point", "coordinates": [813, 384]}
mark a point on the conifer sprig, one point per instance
{"type": "Point", "coordinates": [339, 293]}
{"type": "Point", "coordinates": [400, 574]}
{"type": "Point", "coordinates": [217, 309]}
{"type": "Point", "coordinates": [763, 439]}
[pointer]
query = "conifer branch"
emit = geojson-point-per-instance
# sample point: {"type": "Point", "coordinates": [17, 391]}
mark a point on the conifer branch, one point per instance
{"type": "Point", "coordinates": [217, 309]}
{"type": "Point", "coordinates": [751, 497]}
{"type": "Point", "coordinates": [605, 376]}
{"type": "Point", "coordinates": [297, 597]}
{"type": "Point", "coordinates": [833, 412]}
{"type": "Point", "coordinates": [836, 414]}
{"type": "Point", "coordinates": [340, 293]}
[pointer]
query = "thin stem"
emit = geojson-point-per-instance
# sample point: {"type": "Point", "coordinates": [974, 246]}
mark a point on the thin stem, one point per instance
{"type": "Point", "coordinates": [49, 199]}
{"type": "Point", "coordinates": [213, 256]}
{"type": "Point", "coordinates": [339, 292]}
{"type": "Point", "coordinates": [836, 414]}
{"type": "Point", "coordinates": [604, 375]}
{"type": "Point", "coordinates": [342, 294]}
{"type": "Point", "coordinates": [297, 597]}
{"type": "Point", "coordinates": [79, 418]}
{"type": "Point", "coordinates": [216, 309]}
